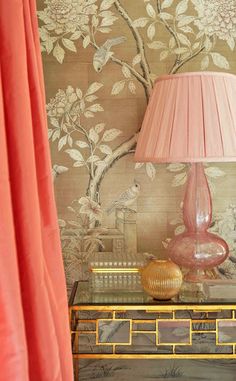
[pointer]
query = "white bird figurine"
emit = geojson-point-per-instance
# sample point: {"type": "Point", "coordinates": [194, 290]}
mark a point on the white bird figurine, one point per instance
{"type": "Point", "coordinates": [103, 54]}
{"type": "Point", "coordinates": [126, 198]}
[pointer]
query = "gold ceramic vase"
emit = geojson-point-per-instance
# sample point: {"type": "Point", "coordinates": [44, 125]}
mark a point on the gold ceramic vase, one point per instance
{"type": "Point", "coordinates": [161, 279]}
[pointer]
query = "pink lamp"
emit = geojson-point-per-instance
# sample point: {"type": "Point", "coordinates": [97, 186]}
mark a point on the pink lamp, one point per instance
{"type": "Point", "coordinates": [191, 118]}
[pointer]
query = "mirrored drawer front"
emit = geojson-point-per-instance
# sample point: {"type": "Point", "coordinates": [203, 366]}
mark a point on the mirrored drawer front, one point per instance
{"type": "Point", "coordinates": [122, 331]}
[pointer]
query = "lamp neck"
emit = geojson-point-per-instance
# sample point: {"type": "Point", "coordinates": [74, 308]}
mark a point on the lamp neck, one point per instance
{"type": "Point", "coordinates": [197, 209]}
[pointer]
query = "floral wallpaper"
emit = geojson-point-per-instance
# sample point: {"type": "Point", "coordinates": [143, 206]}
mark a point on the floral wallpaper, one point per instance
{"type": "Point", "coordinates": [101, 58]}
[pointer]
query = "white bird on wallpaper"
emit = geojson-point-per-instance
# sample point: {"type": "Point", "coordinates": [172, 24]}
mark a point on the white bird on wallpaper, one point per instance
{"type": "Point", "coordinates": [103, 54]}
{"type": "Point", "coordinates": [126, 198]}
{"type": "Point", "coordinates": [57, 170]}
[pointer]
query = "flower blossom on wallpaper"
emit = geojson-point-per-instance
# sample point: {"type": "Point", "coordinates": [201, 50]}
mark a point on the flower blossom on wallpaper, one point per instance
{"type": "Point", "coordinates": [66, 21]}
{"type": "Point", "coordinates": [91, 208]}
{"type": "Point", "coordinates": [217, 18]}
{"type": "Point", "coordinates": [62, 102]}
{"type": "Point", "coordinates": [66, 15]}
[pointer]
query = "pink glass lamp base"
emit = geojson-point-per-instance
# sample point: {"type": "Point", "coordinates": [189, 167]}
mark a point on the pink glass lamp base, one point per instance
{"type": "Point", "coordinates": [198, 252]}
{"type": "Point", "coordinates": [196, 249]}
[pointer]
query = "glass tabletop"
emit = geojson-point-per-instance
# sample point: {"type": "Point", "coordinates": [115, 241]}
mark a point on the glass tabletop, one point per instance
{"type": "Point", "coordinates": [83, 294]}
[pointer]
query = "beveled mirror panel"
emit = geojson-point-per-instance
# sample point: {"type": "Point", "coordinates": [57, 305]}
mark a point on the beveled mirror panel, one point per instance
{"type": "Point", "coordinates": [114, 331]}
{"type": "Point", "coordinates": [174, 332]}
{"type": "Point", "coordinates": [226, 332]}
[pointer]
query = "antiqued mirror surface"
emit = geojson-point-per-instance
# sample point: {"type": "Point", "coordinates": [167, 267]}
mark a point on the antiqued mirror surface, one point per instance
{"type": "Point", "coordinates": [174, 332]}
{"type": "Point", "coordinates": [113, 331]}
{"type": "Point", "coordinates": [226, 332]}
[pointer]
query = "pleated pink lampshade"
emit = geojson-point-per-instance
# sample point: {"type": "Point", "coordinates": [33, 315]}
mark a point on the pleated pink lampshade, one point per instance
{"type": "Point", "coordinates": [190, 117]}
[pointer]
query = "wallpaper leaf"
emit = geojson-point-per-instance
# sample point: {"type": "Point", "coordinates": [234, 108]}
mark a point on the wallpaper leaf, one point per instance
{"type": "Point", "coordinates": [220, 61]}
{"type": "Point", "coordinates": [111, 134]}
{"type": "Point", "coordinates": [166, 3]}
{"type": "Point", "coordinates": [117, 87]}
{"type": "Point", "coordinates": [151, 171]}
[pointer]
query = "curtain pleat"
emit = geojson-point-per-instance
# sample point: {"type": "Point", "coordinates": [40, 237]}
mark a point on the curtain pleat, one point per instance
{"type": "Point", "coordinates": [34, 323]}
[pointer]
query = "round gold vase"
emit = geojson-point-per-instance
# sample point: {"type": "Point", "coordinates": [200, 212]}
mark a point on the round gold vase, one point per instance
{"type": "Point", "coordinates": [161, 279]}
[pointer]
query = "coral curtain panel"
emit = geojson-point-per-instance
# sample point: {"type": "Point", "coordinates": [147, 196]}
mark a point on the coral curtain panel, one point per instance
{"type": "Point", "coordinates": [34, 329]}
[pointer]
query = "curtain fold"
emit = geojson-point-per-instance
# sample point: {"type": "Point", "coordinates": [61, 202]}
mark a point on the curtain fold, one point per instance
{"type": "Point", "coordinates": [34, 328]}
